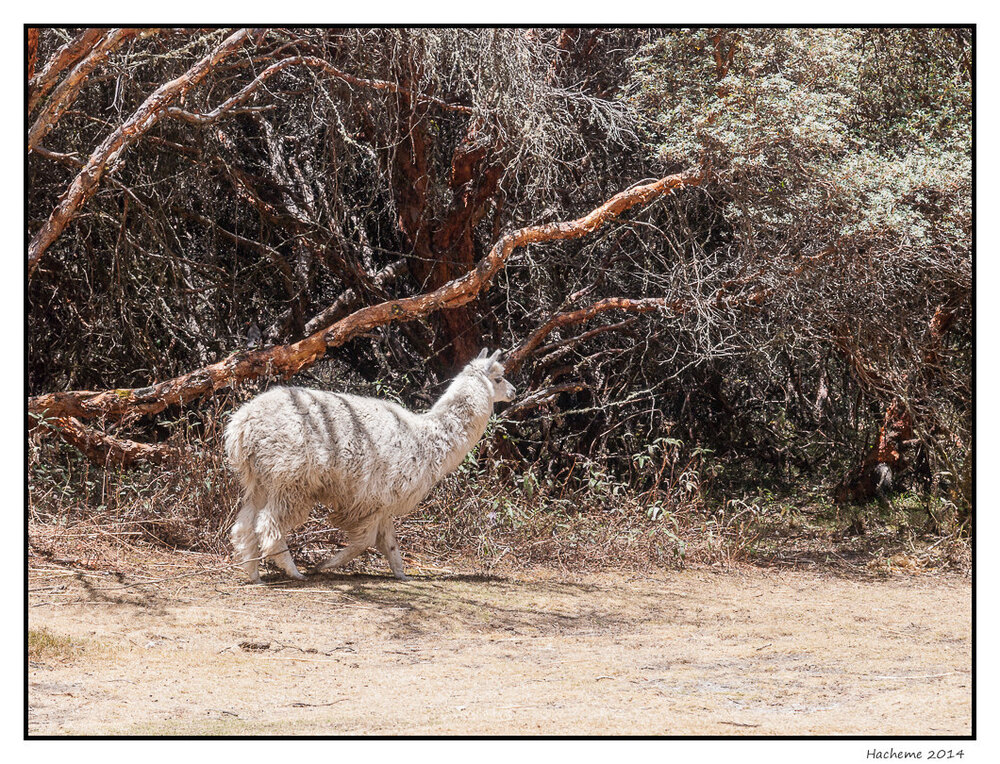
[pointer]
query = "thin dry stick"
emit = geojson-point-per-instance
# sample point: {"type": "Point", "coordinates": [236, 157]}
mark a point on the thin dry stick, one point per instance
{"type": "Point", "coordinates": [318, 63]}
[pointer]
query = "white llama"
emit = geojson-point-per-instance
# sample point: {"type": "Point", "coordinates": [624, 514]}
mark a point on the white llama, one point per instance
{"type": "Point", "coordinates": [367, 461]}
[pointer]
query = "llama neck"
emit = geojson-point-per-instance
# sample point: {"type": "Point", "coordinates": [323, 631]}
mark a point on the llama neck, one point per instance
{"type": "Point", "coordinates": [459, 419]}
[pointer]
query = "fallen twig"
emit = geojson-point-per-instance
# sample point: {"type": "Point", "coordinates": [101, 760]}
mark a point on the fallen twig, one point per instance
{"type": "Point", "coordinates": [300, 704]}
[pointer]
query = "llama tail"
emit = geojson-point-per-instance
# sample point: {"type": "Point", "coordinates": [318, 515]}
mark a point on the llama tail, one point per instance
{"type": "Point", "coordinates": [238, 455]}
{"type": "Point", "coordinates": [233, 441]}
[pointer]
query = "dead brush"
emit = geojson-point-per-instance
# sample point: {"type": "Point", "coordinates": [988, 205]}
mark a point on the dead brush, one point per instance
{"type": "Point", "coordinates": [729, 533]}
{"type": "Point", "coordinates": [492, 516]}
{"type": "Point", "coordinates": [105, 516]}
{"type": "Point", "coordinates": [502, 518]}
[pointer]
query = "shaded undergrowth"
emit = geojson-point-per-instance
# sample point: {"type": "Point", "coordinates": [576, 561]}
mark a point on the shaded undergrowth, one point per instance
{"type": "Point", "coordinates": [491, 518]}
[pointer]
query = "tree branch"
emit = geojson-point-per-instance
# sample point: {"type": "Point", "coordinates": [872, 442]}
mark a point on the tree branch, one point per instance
{"type": "Point", "coordinates": [286, 360]}
{"type": "Point", "coordinates": [32, 40]}
{"type": "Point", "coordinates": [514, 360]}
{"type": "Point", "coordinates": [68, 55]}
{"type": "Point", "coordinates": [722, 299]}
{"type": "Point", "coordinates": [317, 63]}
{"type": "Point", "coordinates": [148, 114]}
{"type": "Point", "coordinates": [109, 451]}
{"type": "Point", "coordinates": [67, 91]}
{"type": "Point", "coordinates": [539, 398]}
{"type": "Point", "coordinates": [350, 297]}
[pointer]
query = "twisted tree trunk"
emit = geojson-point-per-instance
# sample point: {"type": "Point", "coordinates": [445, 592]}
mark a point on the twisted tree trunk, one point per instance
{"type": "Point", "coordinates": [874, 476]}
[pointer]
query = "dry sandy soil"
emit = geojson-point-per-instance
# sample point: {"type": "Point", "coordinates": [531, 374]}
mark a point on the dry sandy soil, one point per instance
{"type": "Point", "coordinates": [753, 652]}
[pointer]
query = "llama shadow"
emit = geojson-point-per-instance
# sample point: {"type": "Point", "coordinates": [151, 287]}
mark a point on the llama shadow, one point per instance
{"type": "Point", "coordinates": [144, 597]}
{"type": "Point", "coordinates": [483, 603]}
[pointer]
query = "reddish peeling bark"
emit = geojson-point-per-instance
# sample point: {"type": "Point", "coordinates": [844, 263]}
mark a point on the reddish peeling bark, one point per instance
{"type": "Point", "coordinates": [286, 360]}
{"type": "Point", "coordinates": [67, 91]}
{"type": "Point", "coordinates": [108, 451]}
{"type": "Point", "coordinates": [350, 298]}
{"type": "Point", "coordinates": [410, 177]}
{"type": "Point", "coordinates": [148, 114]}
{"type": "Point", "coordinates": [32, 51]}
{"type": "Point", "coordinates": [442, 245]}
{"type": "Point", "coordinates": [474, 180]}
{"type": "Point", "coordinates": [64, 58]}
{"type": "Point", "coordinates": [723, 51]}
{"type": "Point", "coordinates": [874, 475]}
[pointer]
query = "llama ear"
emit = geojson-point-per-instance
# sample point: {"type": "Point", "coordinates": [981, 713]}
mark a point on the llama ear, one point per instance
{"type": "Point", "coordinates": [482, 354]}
{"type": "Point", "coordinates": [495, 356]}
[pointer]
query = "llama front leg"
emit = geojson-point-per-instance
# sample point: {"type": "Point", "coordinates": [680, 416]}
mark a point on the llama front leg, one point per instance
{"type": "Point", "coordinates": [356, 544]}
{"type": "Point", "coordinates": [284, 561]}
{"type": "Point", "coordinates": [386, 543]}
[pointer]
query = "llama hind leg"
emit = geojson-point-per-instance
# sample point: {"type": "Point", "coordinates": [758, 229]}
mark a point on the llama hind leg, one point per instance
{"type": "Point", "coordinates": [274, 545]}
{"type": "Point", "coordinates": [244, 537]}
{"type": "Point", "coordinates": [286, 563]}
{"type": "Point", "coordinates": [386, 543]}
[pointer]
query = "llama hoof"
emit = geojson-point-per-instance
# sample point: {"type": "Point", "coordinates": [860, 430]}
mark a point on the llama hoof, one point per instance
{"type": "Point", "coordinates": [328, 566]}
{"type": "Point", "coordinates": [297, 576]}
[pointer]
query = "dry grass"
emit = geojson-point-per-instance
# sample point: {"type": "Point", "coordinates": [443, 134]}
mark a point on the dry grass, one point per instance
{"type": "Point", "coordinates": [44, 646]}
{"type": "Point", "coordinates": [494, 520]}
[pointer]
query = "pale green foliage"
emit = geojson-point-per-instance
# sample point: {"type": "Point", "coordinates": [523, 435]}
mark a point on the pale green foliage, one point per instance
{"type": "Point", "coordinates": [889, 193]}
{"type": "Point", "coordinates": [788, 131]}
{"type": "Point", "coordinates": [781, 96]}
{"type": "Point", "coordinates": [839, 164]}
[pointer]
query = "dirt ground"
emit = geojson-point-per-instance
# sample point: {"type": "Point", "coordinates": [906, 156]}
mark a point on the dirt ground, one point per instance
{"type": "Point", "coordinates": [750, 652]}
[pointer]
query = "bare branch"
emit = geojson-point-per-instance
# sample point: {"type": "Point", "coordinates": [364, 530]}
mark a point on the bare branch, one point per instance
{"type": "Point", "coordinates": [109, 451]}
{"type": "Point", "coordinates": [317, 63]}
{"type": "Point", "coordinates": [286, 360]}
{"type": "Point", "coordinates": [350, 297]}
{"type": "Point", "coordinates": [85, 183]}
{"type": "Point", "coordinates": [68, 55]}
{"type": "Point", "coordinates": [67, 91]}
{"type": "Point", "coordinates": [539, 398]}
{"type": "Point", "coordinates": [516, 358]}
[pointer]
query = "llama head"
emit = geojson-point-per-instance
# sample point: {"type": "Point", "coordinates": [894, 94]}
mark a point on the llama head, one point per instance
{"type": "Point", "coordinates": [490, 367]}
